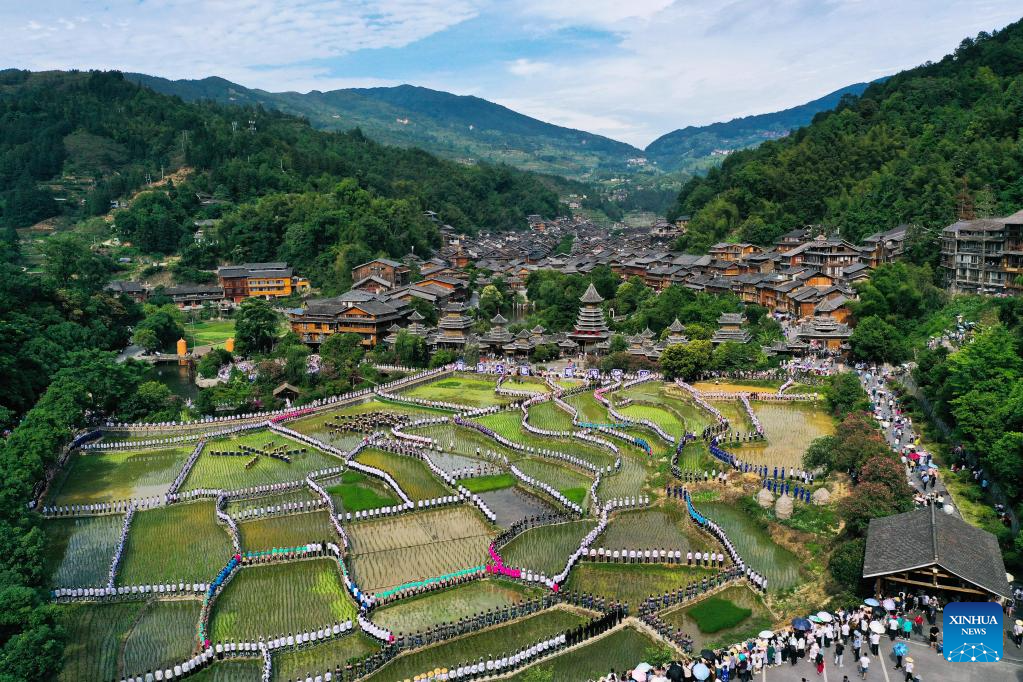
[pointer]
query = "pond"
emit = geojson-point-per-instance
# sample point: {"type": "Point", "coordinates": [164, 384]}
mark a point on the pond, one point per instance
{"type": "Point", "coordinates": [179, 379]}
{"type": "Point", "coordinates": [754, 544]}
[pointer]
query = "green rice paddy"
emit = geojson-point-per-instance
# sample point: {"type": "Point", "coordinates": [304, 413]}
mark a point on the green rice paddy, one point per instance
{"type": "Point", "coordinates": [315, 660]}
{"type": "Point", "coordinates": [631, 583]}
{"type": "Point", "coordinates": [95, 633]}
{"type": "Point", "coordinates": [452, 604]}
{"type": "Point", "coordinates": [546, 549]}
{"type": "Point", "coordinates": [356, 491]}
{"type": "Point", "coordinates": [170, 544]}
{"type": "Point", "coordinates": [79, 550]}
{"type": "Point", "coordinates": [115, 476]}
{"type": "Point", "coordinates": [483, 484]}
{"type": "Point", "coordinates": [274, 599]}
{"type": "Point", "coordinates": [230, 472]}
{"type": "Point", "coordinates": [163, 635]}
{"type": "Point", "coordinates": [620, 651]}
{"type": "Point", "coordinates": [292, 530]}
{"type": "Point", "coordinates": [411, 474]}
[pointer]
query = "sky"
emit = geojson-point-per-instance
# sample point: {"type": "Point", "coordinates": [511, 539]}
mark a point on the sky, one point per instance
{"type": "Point", "coordinates": [628, 69]}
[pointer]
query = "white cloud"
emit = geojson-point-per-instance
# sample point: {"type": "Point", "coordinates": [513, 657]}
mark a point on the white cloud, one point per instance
{"type": "Point", "coordinates": [245, 39]}
{"type": "Point", "coordinates": [527, 67]}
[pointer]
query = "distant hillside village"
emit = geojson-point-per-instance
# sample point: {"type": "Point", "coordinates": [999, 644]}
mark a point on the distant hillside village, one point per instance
{"type": "Point", "coordinates": [806, 278]}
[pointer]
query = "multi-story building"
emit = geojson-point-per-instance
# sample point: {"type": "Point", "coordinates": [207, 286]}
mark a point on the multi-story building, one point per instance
{"type": "Point", "coordinates": [370, 319]}
{"type": "Point", "coordinates": [885, 247]}
{"type": "Point", "coordinates": [382, 269]}
{"type": "Point", "coordinates": [265, 280]}
{"type": "Point", "coordinates": [983, 256]}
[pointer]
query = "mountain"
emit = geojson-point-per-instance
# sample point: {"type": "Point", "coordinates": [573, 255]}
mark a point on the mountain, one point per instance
{"type": "Point", "coordinates": [72, 142]}
{"type": "Point", "coordinates": [453, 126]}
{"type": "Point", "coordinates": [922, 147]}
{"type": "Point", "coordinates": [688, 146]}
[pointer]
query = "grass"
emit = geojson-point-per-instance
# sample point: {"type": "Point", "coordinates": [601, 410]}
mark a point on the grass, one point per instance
{"type": "Point", "coordinates": [446, 606]}
{"type": "Point", "coordinates": [79, 550]}
{"type": "Point", "coordinates": [547, 548]}
{"type": "Point", "coordinates": [619, 651]}
{"type": "Point", "coordinates": [163, 636]}
{"type": "Point", "coordinates": [229, 472]}
{"type": "Point", "coordinates": [297, 664]}
{"type": "Point", "coordinates": [292, 530]}
{"type": "Point", "coordinates": [392, 551]}
{"type": "Point", "coordinates": [509, 425]}
{"type": "Point", "coordinates": [549, 416]}
{"type": "Point", "coordinates": [112, 476]}
{"type": "Point", "coordinates": [95, 633]}
{"type": "Point", "coordinates": [484, 484]}
{"type": "Point", "coordinates": [179, 542]}
{"type": "Point", "coordinates": [412, 475]}
{"type": "Point", "coordinates": [715, 614]}
{"type": "Point", "coordinates": [665, 418]}
{"type": "Point", "coordinates": [209, 333]}
{"type": "Point", "coordinates": [266, 600]}
{"type": "Point", "coordinates": [631, 583]}
{"type": "Point", "coordinates": [488, 643]}
{"type": "Point", "coordinates": [358, 492]}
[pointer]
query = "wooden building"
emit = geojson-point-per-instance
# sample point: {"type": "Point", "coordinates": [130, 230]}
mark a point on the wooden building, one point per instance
{"type": "Point", "coordinates": [929, 550]}
{"type": "Point", "coordinates": [265, 280]}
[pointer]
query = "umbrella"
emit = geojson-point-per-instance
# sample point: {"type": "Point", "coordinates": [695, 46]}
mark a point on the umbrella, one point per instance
{"type": "Point", "coordinates": [707, 655]}
{"type": "Point", "coordinates": [877, 626]}
{"type": "Point", "coordinates": [871, 602]}
{"type": "Point", "coordinates": [643, 668]}
{"type": "Point", "coordinates": [700, 671]}
{"type": "Point", "coordinates": [889, 604]}
{"type": "Point", "coordinates": [801, 623]}
{"type": "Point", "coordinates": [825, 616]}
{"type": "Point", "coordinates": [814, 619]}
{"type": "Point", "coordinates": [765, 634]}
{"type": "Point", "coordinates": [913, 456]}
{"type": "Point", "coordinates": [899, 649]}
{"type": "Point", "coordinates": [1009, 577]}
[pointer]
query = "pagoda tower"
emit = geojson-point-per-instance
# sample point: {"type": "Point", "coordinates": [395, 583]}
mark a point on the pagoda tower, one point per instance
{"type": "Point", "coordinates": [590, 331]}
{"type": "Point", "coordinates": [454, 327]}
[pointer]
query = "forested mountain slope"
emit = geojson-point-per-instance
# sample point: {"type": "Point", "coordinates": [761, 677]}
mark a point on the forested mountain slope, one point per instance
{"type": "Point", "coordinates": [453, 126]}
{"type": "Point", "coordinates": [335, 198]}
{"type": "Point", "coordinates": [912, 149]}
{"type": "Point", "coordinates": [679, 147]}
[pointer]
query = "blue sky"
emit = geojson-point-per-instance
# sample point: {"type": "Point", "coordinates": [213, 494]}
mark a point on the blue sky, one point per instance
{"type": "Point", "coordinates": [628, 69]}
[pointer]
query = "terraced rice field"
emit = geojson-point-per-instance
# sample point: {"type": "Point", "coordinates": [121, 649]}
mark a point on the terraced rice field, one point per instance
{"type": "Point", "coordinates": [273, 599]}
{"type": "Point", "coordinates": [411, 474]}
{"type": "Point", "coordinates": [462, 440]}
{"type": "Point", "coordinates": [695, 417]}
{"type": "Point", "coordinates": [619, 650]}
{"type": "Point", "coordinates": [79, 550]}
{"type": "Point", "coordinates": [300, 663]}
{"type": "Point", "coordinates": [95, 633]}
{"type": "Point", "coordinates": [549, 416]}
{"type": "Point", "coordinates": [315, 425]}
{"type": "Point", "coordinates": [355, 491]}
{"type": "Point", "coordinates": [739, 595]}
{"type": "Point", "coordinates": [664, 417]}
{"type": "Point", "coordinates": [230, 671]}
{"type": "Point", "coordinates": [514, 504]}
{"type": "Point", "coordinates": [236, 507]}
{"type": "Point", "coordinates": [780, 566]}
{"type": "Point", "coordinates": [790, 428]}
{"type": "Point", "coordinates": [175, 543]}
{"type": "Point", "coordinates": [163, 636]}
{"type": "Point", "coordinates": [734, 413]}
{"type": "Point", "coordinates": [657, 528]}
{"type": "Point", "coordinates": [631, 583]}
{"type": "Point", "coordinates": [229, 472]}
{"type": "Point", "coordinates": [392, 551]}
{"type": "Point", "coordinates": [471, 391]}
{"type": "Point", "coordinates": [569, 481]}
{"type": "Point", "coordinates": [509, 425]}
{"type": "Point", "coordinates": [292, 530]}
{"type": "Point", "coordinates": [488, 643]}
{"type": "Point", "coordinates": [114, 476]}
{"type": "Point", "coordinates": [547, 548]}
{"type": "Point", "coordinates": [630, 479]}
{"type": "Point", "coordinates": [447, 606]}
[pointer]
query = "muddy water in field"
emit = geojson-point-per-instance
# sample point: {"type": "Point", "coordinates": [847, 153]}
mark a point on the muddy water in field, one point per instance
{"type": "Point", "coordinates": [755, 546]}
{"type": "Point", "coordinates": [513, 504]}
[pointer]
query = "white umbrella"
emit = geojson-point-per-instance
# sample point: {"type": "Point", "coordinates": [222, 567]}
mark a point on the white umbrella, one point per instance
{"type": "Point", "coordinates": [700, 671]}
{"type": "Point", "coordinates": [766, 634]}
{"type": "Point", "coordinates": [889, 604]}
{"type": "Point", "coordinates": [825, 616]}
{"type": "Point", "coordinates": [877, 626]}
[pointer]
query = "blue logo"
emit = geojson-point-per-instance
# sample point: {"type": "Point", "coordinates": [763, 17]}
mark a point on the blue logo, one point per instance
{"type": "Point", "coordinates": [972, 632]}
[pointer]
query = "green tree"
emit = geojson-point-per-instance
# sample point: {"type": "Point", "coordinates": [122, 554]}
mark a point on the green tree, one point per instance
{"type": "Point", "coordinates": [410, 350]}
{"type": "Point", "coordinates": [874, 340]}
{"type": "Point", "coordinates": [491, 301]}
{"type": "Point", "coordinates": [146, 338]}
{"type": "Point", "coordinates": [685, 361]}
{"type": "Point", "coordinates": [846, 562]}
{"type": "Point", "coordinates": [843, 394]}
{"type": "Point", "coordinates": [255, 327]}
{"type": "Point", "coordinates": [152, 401]}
